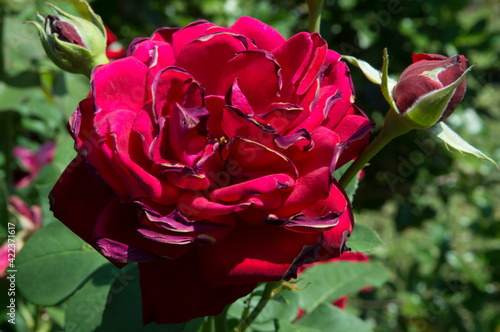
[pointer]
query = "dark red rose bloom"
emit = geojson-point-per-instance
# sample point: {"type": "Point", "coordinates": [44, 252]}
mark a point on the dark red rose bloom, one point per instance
{"type": "Point", "coordinates": [430, 72]}
{"type": "Point", "coordinates": [207, 156]}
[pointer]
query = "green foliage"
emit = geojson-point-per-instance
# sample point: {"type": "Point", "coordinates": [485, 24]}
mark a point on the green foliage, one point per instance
{"type": "Point", "coordinates": [325, 283]}
{"type": "Point", "coordinates": [363, 238]}
{"type": "Point", "coordinates": [329, 318]}
{"type": "Point", "coordinates": [45, 260]}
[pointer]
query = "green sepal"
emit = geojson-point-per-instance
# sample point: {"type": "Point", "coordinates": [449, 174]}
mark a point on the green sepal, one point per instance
{"type": "Point", "coordinates": [452, 139]}
{"type": "Point", "coordinates": [49, 49]}
{"type": "Point", "coordinates": [388, 83]}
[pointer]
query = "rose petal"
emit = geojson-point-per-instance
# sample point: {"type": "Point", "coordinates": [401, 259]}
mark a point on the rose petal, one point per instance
{"type": "Point", "coordinates": [116, 237]}
{"type": "Point", "coordinates": [182, 279]}
{"type": "Point", "coordinates": [259, 78]}
{"type": "Point", "coordinates": [304, 224]}
{"type": "Point", "coordinates": [264, 36]}
{"type": "Point", "coordinates": [87, 197]}
{"type": "Point", "coordinates": [315, 172]}
{"type": "Point", "coordinates": [120, 85]}
{"type": "Point", "coordinates": [187, 34]}
{"type": "Point", "coordinates": [262, 185]}
{"type": "Point", "coordinates": [206, 57]}
{"type": "Point", "coordinates": [253, 254]}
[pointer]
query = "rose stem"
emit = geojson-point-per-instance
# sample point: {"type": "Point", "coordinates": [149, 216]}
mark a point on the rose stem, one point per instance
{"type": "Point", "coordinates": [314, 14]}
{"type": "Point", "coordinates": [266, 295]}
{"type": "Point", "coordinates": [394, 126]}
{"type": "Point", "coordinates": [221, 320]}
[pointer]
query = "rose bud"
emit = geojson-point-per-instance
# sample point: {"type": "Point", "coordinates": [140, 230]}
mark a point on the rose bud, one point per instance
{"type": "Point", "coordinates": [430, 89]}
{"type": "Point", "coordinates": [74, 44]}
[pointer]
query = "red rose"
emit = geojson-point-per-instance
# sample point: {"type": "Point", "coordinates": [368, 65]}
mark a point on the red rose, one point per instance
{"type": "Point", "coordinates": [206, 155]}
{"type": "Point", "coordinates": [430, 72]}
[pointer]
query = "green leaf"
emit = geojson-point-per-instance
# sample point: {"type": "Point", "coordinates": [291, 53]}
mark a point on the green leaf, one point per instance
{"type": "Point", "coordinates": [325, 283]}
{"type": "Point", "coordinates": [387, 82]}
{"type": "Point", "coordinates": [285, 326]}
{"type": "Point", "coordinates": [327, 317]}
{"type": "Point", "coordinates": [85, 308]}
{"type": "Point", "coordinates": [371, 73]}
{"type": "Point", "coordinates": [124, 306]}
{"type": "Point", "coordinates": [53, 263]}
{"type": "Point", "coordinates": [451, 138]}
{"type": "Point", "coordinates": [363, 238]}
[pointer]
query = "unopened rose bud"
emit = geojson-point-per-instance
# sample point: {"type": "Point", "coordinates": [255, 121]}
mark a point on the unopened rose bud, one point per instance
{"type": "Point", "coordinates": [431, 88]}
{"type": "Point", "coordinates": [73, 43]}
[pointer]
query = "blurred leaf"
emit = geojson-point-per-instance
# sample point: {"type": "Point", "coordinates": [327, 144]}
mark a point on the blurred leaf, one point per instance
{"type": "Point", "coordinates": [325, 283]}
{"type": "Point", "coordinates": [285, 326]}
{"type": "Point", "coordinates": [4, 214]}
{"type": "Point", "coordinates": [53, 263]}
{"type": "Point", "coordinates": [327, 317]}
{"type": "Point", "coordinates": [69, 90]}
{"type": "Point", "coordinates": [451, 138]}
{"type": "Point", "coordinates": [11, 97]}
{"type": "Point", "coordinates": [363, 238]}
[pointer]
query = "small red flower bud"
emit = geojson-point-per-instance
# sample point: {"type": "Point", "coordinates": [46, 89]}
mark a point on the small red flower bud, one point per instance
{"type": "Point", "coordinates": [430, 72]}
{"type": "Point", "coordinates": [66, 31]}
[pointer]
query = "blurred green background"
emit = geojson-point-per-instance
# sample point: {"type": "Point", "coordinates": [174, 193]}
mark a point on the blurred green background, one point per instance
{"type": "Point", "coordinates": [437, 212]}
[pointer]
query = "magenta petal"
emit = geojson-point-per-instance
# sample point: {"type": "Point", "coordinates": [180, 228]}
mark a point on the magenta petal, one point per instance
{"type": "Point", "coordinates": [197, 206]}
{"type": "Point", "coordinates": [186, 133]}
{"type": "Point", "coordinates": [315, 65]}
{"type": "Point", "coordinates": [206, 57]}
{"type": "Point", "coordinates": [168, 89]}
{"type": "Point", "coordinates": [115, 234]}
{"type": "Point", "coordinates": [265, 37]}
{"type": "Point", "coordinates": [253, 160]}
{"type": "Point", "coordinates": [189, 33]}
{"type": "Point", "coordinates": [304, 224]}
{"type": "Point", "coordinates": [293, 56]}
{"type": "Point", "coordinates": [315, 169]}
{"type": "Point", "coordinates": [262, 185]}
{"type": "Point", "coordinates": [175, 221]}
{"type": "Point", "coordinates": [259, 78]}
{"type": "Point", "coordinates": [119, 85]}
{"type": "Point", "coordinates": [339, 77]}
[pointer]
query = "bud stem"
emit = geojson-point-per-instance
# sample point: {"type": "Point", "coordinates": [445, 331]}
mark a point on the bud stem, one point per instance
{"type": "Point", "coordinates": [394, 126]}
{"type": "Point", "coordinates": [97, 60]}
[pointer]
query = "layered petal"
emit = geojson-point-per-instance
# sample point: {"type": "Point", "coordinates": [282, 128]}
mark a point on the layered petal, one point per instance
{"type": "Point", "coordinates": [162, 281]}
